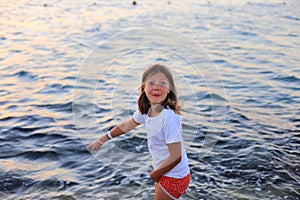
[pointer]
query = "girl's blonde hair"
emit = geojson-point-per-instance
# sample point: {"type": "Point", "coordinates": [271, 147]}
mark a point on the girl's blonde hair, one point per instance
{"type": "Point", "coordinates": [171, 100]}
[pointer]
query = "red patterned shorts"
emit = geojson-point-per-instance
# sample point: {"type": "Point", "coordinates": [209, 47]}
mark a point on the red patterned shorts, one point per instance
{"type": "Point", "coordinates": [174, 187]}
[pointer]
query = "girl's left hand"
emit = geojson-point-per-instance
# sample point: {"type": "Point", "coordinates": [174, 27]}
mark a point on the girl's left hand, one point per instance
{"type": "Point", "coordinates": [155, 176]}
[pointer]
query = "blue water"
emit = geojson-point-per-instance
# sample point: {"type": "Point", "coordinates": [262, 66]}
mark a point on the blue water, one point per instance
{"type": "Point", "coordinates": [70, 70]}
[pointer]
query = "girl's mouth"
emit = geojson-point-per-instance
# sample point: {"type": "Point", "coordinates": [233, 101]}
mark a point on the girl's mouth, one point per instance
{"type": "Point", "coordinates": [156, 95]}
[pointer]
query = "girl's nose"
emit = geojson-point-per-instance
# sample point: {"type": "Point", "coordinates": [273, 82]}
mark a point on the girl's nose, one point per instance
{"type": "Point", "coordinates": [156, 87]}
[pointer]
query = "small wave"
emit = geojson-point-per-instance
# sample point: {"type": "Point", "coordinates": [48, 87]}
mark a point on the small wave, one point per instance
{"type": "Point", "coordinates": [55, 183]}
{"type": "Point", "coordinates": [52, 137]}
{"type": "Point", "coordinates": [12, 182]}
{"type": "Point", "coordinates": [292, 35]}
{"type": "Point", "coordinates": [115, 180]}
{"type": "Point", "coordinates": [291, 78]}
{"type": "Point", "coordinates": [28, 124]}
{"type": "Point", "coordinates": [4, 92]}
{"type": "Point", "coordinates": [214, 97]}
{"type": "Point", "coordinates": [70, 127]}
{"type": "Point", "coordinates": [245, 33]}
{"type": "Point", "coordinates": [24, 129]}
{"type": "Point", "coordinates": [55, 88]}
{"type": "Point", "coordinates": [25, 74]}
{"type": "Point", "coordinates": [72, 78]}
{"type": "Point", "coordinates": [205, 96]}
{"type": "Point", "coordinates": [135, 144]}
{"type": "Point", "coordinates": [266, 72]}
{"type": "Point", "coordinates": [219, 61]}
{"type": "Point", "coordinates": [34, 155]}
{"type": "Point", "coordinates": [292, 18]}
{"type": "Point", "coordinates": [62, 107]}
{"type": "Point", "coordinates": [235, 115]}
{"type": "Point", "coordinates": [16, 51]}
{"type": "Point", "coordinates": [5, 119]}
{"type": "Point", "coordinates": [160, 60]}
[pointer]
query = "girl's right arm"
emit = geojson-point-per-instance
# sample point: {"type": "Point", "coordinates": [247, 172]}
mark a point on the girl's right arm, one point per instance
{"type": "Point", "coordinates": [121, 129]}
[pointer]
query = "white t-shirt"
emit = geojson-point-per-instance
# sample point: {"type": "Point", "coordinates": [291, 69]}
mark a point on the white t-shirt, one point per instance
{"type": "Point", "coordinates": [161, 130]}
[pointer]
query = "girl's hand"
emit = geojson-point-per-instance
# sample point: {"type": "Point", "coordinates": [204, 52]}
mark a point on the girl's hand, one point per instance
{"type": "Point", "coordinates": [155, 176]}
{"type": "Point", "coordinates": [169, 163]}
{"type": "Point", "coordinates": [94, 146]}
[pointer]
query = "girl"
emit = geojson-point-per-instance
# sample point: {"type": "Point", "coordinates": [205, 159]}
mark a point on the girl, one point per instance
{"type": "Point", "coordinates": [158, 109]}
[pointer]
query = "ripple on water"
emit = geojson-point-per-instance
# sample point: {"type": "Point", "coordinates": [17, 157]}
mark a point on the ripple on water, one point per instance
{"type": "Point", "coordinates": [25, 74]}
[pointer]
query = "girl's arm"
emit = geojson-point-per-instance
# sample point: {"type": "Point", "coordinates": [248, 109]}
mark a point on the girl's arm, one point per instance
{"type": "Point", "coordinates": [169, 163]}
{"type": "Point", "coordinates": [120, 129]}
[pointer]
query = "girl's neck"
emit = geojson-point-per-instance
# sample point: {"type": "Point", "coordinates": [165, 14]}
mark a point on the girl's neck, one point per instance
{"type": "Point", "coordinates": [155, 110]}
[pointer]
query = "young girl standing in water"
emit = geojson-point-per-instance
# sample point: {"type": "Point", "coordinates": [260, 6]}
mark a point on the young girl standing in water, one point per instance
{"type": "Point", "coordinates": [158, 109]}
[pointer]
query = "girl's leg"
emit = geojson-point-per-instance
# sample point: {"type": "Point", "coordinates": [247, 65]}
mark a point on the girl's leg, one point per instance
{"type": "Point", "coordinates": [160, 194]}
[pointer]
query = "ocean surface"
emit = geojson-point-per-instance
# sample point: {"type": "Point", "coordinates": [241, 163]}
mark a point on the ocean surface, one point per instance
{"type": "Point", "coordinates": [70, 70]}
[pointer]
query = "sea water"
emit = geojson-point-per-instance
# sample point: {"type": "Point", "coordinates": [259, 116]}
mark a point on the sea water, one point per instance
{"type": "Point", "coordinates": [70, 70]}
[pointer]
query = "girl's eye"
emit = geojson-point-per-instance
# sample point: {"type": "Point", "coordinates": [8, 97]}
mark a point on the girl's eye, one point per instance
{"type": "Point", "coordinates": [151, 83]}
{"type": "Point", "coordinates": [163, 84]}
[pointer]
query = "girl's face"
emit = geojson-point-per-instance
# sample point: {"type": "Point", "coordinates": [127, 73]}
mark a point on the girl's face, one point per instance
{"type": "Point", "coordinates": [157, 87]}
